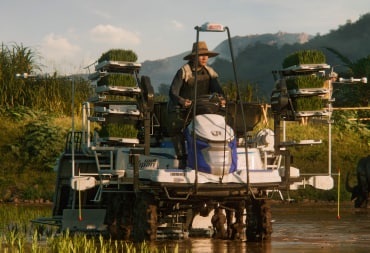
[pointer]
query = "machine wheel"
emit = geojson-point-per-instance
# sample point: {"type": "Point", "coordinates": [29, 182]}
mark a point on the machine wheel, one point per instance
{"type": "Point", "coordinates": [119, 216]}
{"type": "Point", "coordinates": [259, 227]}
{"type": "Point", "coordinates": [218, 222]}
{"type": "Point", "coordinates": [235, 230]}
{"type": "Point", "coordinates": [145, 218]}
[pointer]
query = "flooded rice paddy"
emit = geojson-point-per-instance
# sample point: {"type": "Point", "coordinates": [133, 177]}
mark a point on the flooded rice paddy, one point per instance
{"type": "Point", "coordinates": [311, 227]}
{"type": "Point", "coordinates": [300, 228]}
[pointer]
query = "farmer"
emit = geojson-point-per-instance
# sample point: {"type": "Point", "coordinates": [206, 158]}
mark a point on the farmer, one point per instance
{"type": "Point", "coordinates": [182, 94]}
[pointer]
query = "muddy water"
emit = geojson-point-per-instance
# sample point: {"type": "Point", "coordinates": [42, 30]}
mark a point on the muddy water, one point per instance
{"type": "Point", "coordinates": [308, 228]}
{"type": "Point", "coordinates": [299, 228]}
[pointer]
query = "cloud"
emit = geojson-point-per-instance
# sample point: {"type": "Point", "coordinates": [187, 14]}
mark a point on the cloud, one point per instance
{"type": "Point", "coordinates": [56, 46]}
{"type": "Point", "coordinates": [114, 36]}
{"type": "Point", "coordinates": [58, 54]}
{"type": "Point", "coordinates": [177, 25]}
{"type": "Point", "coordinates": [101, 14]}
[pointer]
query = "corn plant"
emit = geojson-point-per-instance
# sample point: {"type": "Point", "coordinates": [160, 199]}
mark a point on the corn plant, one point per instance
{"type": "Point", "coordinates": [13, 60]}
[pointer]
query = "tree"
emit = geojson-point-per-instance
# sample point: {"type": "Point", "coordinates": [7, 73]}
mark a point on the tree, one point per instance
{"type": "Point", "coordinates": [245, 89]}
{"type": "Point", "coordinates": [352, 95]}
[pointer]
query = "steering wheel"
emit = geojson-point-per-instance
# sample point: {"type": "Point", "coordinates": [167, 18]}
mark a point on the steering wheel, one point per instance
{"type": "Point", "coordinates": [208, 104]}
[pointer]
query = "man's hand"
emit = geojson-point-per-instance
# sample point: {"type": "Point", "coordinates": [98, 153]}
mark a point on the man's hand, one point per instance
{"type": "Point", "coordinates": [187, 103]}
{"type": "Point", "coordinates": [218, 98]}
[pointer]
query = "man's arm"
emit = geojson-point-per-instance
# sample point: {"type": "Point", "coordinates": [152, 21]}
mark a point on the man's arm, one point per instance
{"type": "Point", "coordinates": [175, 88]}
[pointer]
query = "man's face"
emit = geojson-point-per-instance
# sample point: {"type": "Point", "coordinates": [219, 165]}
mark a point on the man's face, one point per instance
{"type": "Point", "coordinates": [202, 60]}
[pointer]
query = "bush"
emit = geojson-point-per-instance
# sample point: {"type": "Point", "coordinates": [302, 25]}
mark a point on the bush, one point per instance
{"type": "Point", "coordinates": [41, 144]}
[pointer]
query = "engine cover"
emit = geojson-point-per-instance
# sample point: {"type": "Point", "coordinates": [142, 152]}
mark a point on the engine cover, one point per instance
{"type": "Point", "coordinates": [216, 148]}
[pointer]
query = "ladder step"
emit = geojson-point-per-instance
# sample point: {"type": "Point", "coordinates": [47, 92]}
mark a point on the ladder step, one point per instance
{"type": "Point", "coordinates": [102, 148]}
{"type": "Point", "coordinates": [118, 109]}
{"type": "Point", "coordinates": [119, 173]}
{"type": "Point", "coordinates": [118, 66]}
{"type": "Point", "coordinates": [104, 165]}
{"type": "Point", "coordinates": [96, 119]}
{"type": "Point", "coordinates": [97, 75]}
{"type": "Point", "coordinates": [118, 90]}
{"type": "Point", "coordinates": [120, 140]}
{"type": "Point", "coordinates": [97, 99]}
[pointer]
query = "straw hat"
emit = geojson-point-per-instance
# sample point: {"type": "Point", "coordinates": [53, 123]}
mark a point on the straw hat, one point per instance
{"type": "Point", "coordinates": [202, 50]}
{"type": "Point", "coordinates": [333, 75]}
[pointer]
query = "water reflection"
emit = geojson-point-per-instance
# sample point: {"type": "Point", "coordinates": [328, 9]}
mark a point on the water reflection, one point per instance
{"type": "Point", "coordinates": [206, 245]}
{"type": "Point", "coordinates": [296, 228]}
{"type": "Point", "coordinates": [308, 228]}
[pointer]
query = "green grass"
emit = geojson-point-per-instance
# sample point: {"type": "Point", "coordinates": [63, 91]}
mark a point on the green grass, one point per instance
{"type": "Point", "coordinates": [23, 175]}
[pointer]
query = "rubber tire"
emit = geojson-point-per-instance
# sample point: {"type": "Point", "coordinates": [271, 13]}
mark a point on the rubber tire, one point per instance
{"type": "Point", "coordinates": [145, 218]}
{"type": "Point", "coordinates": [259, 226]}
{"type": "Point", "coordinates": [119, 215]}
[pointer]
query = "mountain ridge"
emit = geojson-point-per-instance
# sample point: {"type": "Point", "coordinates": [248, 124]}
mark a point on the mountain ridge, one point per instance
{"type": "Point", "coordinates": [162, 71]}
{"type": "Point", "coordinates": [256, 56]}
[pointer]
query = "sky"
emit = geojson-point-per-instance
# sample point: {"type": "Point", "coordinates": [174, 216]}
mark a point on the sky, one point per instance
{"type": "Point", "coordinates": [68, 35]}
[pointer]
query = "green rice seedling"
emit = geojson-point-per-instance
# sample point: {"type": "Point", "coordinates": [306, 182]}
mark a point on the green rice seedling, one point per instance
{"type": "Point", "coordinates": [117, 79]}
{"type": "Point", "coordinates": [313, 103]}
{"type": "Point", "coordinates": [119, 98]}
{"type": "Point", "coordinates": [118, 55]}
{"type": "Point", "coordinates": [21, 240]}
{"type": "Point", "coordinates": [22, 215]}
{"type": "Point", "coordinates": [13, 236]}
{"type": "Point", "coordinates": [308, 81]}
{"type": "Point", "coordinates": [304, 57]}
{"type": "Point", "coordinates": [101, 241]}
{"type": "Point", "coordinates": [61, 243]}
{"type": "Point", "coordinates": [10, 238]}
{"type": "Point", "coordinates": [118, 130]}
{"type": "Point", "coordinates": [77, 241]}
{"type": "Point", "coordinates": [35, 241]}
{"type": "Point", "coordinates": [116, 245]}
{"type": "Point", "coordinates": [129, 247]}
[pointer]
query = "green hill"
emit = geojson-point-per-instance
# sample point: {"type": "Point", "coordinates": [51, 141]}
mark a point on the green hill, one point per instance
{"type": "Point", "coordinates": [257, 55]}
{"type": "Point", "coordinates": [256, 61]}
